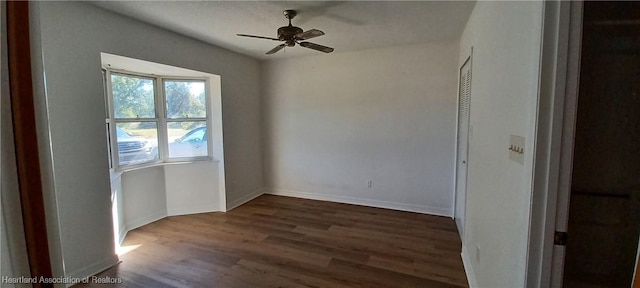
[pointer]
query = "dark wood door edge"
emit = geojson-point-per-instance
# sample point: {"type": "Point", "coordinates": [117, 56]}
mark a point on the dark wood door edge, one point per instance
{"type": "Point", "coordinates": [636, 281]}
{"type": "Point", "coordinates": [26, 144]}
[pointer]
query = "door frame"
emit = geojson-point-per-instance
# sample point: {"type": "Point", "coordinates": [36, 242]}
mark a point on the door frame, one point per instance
{"type": "Point", "coordinates": [557, 107]}
{"type": "Point", "coordinates": [567, 139]}
{"type": "Point", "coordinates": [21, 93]}
{"type": "Point", "coordinates": [469, 61]}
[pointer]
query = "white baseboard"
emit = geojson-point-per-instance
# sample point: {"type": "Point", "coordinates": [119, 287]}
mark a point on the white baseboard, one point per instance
{"type": "Point", "coordinates": [245, 199]}
{"type": "Point", "coordinates": [365, 202]}
{"type": "Point", "coordinates": [460, 227]}
{"type": "Point", "coordinates": [191, 210]}
{"type": "Point", "coordinates": [92, 269]}
{"type": "Point", "coordinates": [468, 268]}
{"type": "Point", "coordinates": [145, 220]}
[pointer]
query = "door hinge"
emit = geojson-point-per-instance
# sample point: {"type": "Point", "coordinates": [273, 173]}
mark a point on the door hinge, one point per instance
{"type": "Point", "coordinates": [560, 238]}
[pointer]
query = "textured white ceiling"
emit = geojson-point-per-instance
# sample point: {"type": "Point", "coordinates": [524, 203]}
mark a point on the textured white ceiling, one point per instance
{"type": "Point", "coordinates": [349, 25]}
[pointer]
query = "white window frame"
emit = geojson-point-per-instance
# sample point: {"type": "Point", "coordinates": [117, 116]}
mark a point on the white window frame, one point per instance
{"type": "Point", "coordinates": [161, 119]}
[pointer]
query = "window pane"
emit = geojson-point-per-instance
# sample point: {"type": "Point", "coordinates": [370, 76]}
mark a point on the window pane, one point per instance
{"type": "Point", "coordinates": [185, 99]}
{"type": "Point", "coordinates": [132, 97]}
{"type": "Point", "coordinates": [187, 139]}
{"type": "Point", "coordinates": [137, 142]}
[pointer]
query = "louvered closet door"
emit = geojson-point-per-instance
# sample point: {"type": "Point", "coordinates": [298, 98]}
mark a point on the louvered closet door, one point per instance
{"type": "Point", "coordinates": [462, 145]}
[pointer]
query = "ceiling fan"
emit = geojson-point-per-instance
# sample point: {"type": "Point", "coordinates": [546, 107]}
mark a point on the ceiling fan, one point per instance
{"type": "Point", "coordinates": [291, 35]}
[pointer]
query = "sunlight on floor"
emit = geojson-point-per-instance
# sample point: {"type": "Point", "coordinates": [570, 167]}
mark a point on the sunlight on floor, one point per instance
{"type": "Point", "coordinates": [126, 249]}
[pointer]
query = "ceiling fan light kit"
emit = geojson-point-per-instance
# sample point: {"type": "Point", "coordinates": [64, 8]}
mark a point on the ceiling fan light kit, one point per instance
{"type": "Point", "coordinates": [292, 35]}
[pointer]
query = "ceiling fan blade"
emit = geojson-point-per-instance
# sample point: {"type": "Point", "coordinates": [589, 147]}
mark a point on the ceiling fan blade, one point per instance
{"type": "Point", "coordinates": [309, 34]}
{"type": "Point", "coordinates": [315, 46]}
{"type": "Point", "coordinates": [276, 49]}
{"type": "Point", "coordinates": [260, 37]}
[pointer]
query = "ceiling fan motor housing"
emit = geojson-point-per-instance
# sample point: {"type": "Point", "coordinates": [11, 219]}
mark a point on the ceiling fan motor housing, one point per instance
{"type": "Point", "coordinates": [287, 33]}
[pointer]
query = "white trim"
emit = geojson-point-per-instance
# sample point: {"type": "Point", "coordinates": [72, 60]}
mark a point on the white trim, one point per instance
{"type": "Point", "coordinates": [448, 212]}
{"type": "Point", "coordinates": [192, 210]}
{"type": "Point", "coordinates": [158, 164]}
{"type": "Point", "coordinates": [93, 269]}
{"type": "Point", "coordinates": [130, 225]}
{"type": "Point", "coordinates": [468, 268]}
{"type": "Point", "coordinates": [557, 93]}
{"type": "Point", "coordinates": [245, 199]}
{"type": "Point", "coordinates": [115, 175]}
{"type": "Point", "coordinates": [123, 234]}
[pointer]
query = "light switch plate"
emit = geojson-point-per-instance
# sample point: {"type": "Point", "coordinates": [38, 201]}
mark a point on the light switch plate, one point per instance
{"type": "Point", "coordinates": [516, 148]}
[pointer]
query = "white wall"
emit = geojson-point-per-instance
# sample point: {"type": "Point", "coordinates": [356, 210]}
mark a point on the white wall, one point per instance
{"type": "Point", "coordinates": [334, 121]}
{"type": "Point", "coordinates": [192, 188]}
{"type": "Point", "coordinates": [143, 196]}
{"type": "Point", "coordinates": [71, 111]}
{"type": "Point", "coordinates": [505, 37]}
{"type": "Point", "coordinates": [117, 209]}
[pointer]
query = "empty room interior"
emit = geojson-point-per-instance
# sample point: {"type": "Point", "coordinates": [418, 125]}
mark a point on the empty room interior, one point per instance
{"type": "Point", "coordinates": [319, 143]}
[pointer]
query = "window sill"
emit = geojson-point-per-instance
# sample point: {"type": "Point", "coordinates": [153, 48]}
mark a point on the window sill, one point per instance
{"type": "Point", "coordinates": [114, 174]}
{"type": "Point", "coordinates": [117, 172]}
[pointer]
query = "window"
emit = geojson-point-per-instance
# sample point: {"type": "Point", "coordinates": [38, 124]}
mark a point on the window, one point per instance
{"type": "Point", "coordinates": [186, 112]}
{"type": "Point", "coordinates": [156, 119]}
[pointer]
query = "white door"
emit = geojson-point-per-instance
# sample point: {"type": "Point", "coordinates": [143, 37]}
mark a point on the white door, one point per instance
{"type": "Point", "coordinates": [462, 145]}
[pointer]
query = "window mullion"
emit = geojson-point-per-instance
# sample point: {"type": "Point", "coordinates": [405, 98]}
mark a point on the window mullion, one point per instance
{"type": "Point", "coordinates": [163, 144]}
{"type": "Point", "coordinates": [186, 119]}
{"type": "Point", "coordinates": [128, 120]}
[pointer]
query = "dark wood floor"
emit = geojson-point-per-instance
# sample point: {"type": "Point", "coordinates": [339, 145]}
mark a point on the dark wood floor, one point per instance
{"type": "Point", "coordinates": [275, 241]}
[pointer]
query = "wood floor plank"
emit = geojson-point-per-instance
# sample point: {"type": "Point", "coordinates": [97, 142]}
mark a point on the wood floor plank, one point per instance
{"type": "Point", "coordinates": [382, 246]}
{"type": "Point", "coordinates": [333, 252]}
{"type": "Point", "coordinates": [377, 277]}
{"type": "Point", "coordinates": [275, 241]}
{"type": "Point", "coordinates": [300, 279]}
{"type": "Point", "coordinates": [433, 271]}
